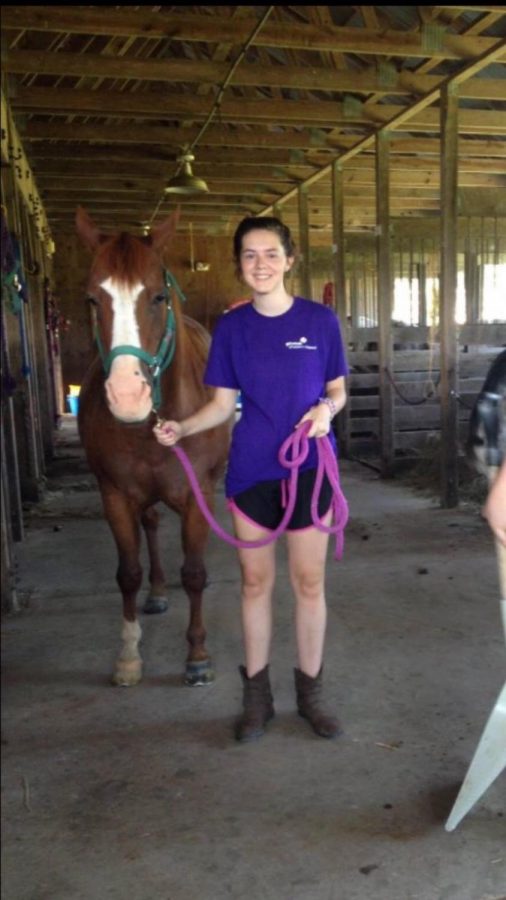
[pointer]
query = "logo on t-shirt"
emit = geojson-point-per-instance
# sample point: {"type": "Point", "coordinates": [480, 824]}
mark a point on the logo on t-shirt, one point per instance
{"type": "Point", "coordinates": [301, 344]}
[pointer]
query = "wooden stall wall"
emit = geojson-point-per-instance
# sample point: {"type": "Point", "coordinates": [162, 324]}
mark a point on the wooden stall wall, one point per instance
{"type": "Point", "coordinates": [28, 388]}
{"type": "Point", "coordinates": [415, 373]}
{"type": "Point", "coordinates": [28, 374]}
{"type": "Point", "coordinates": [415, 377]}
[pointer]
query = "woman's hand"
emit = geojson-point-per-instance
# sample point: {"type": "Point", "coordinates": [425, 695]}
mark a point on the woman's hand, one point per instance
{"type": "Point", "coordinates": [213, 413]}
{"type": "Point", "coordinates": [168, 433]}
{"type": "Point", "coordinates": [320, 419]}
{"type": "Point", "coordinates": [321, 414]}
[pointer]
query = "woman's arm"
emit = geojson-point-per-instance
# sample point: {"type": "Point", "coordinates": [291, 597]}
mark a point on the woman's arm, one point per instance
{"type": "Point", "coordinates": [495, 506]}
{"type": "Point", "coordinates": [336, 391]}
{"type": "Point", "coordinates": [322, 413]}
{"type": "Point", "coordinates": [214, 413]}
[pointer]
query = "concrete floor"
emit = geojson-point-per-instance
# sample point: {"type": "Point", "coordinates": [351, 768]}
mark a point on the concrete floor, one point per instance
{"type": "Point", "coordinates": [142, 793]}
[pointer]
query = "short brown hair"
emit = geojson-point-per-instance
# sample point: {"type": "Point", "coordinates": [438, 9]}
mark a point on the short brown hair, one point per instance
{"type": "Point", "coordinates": [266, 223]}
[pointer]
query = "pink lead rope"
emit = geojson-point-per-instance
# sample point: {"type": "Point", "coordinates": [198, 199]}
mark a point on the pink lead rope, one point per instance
{"type": "Point", "coordinates": [291, 455]}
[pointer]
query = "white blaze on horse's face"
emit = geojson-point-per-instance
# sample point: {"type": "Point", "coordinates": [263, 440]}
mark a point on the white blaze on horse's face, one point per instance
{"type": "Point", "coordinates": [128, 394]}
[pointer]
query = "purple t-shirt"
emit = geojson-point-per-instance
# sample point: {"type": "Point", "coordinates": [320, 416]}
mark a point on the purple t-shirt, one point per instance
{"type": "Point", "coordinates": [281, 365]}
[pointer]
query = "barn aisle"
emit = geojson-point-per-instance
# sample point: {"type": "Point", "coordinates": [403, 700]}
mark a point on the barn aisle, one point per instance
{"type": "Point", "coordinates": [142, 793]}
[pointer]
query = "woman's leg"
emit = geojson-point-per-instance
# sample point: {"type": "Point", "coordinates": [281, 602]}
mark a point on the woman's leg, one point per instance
{"type": "Point", "coordinates": [258, 570]}
{"type": "Point", "coordinates": [307, 552]}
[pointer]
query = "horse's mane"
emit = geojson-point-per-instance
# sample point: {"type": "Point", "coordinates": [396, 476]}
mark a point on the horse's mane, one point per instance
{"type": "Point", "coordinates": [198, 337]}
{"type": "Point", "coordinates": [124, 257]}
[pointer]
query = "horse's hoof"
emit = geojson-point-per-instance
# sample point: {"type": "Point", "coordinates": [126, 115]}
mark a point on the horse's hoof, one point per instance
{"type": "Point", "coordinates": [198, 673]}
{"type": "Point", "coordinates": [154, 605]}
{"type": "Point", "coordinates": [127, 674]}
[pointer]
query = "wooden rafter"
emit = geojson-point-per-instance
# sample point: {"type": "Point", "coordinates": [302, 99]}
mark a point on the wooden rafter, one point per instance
{"type": "Point", "coordinates": [105, 98]}
{"type": "Point", "coordinates": [189, 28]}
{"type": "Point", "coordinates": [287, 112]}
{"type": "Point", "coordinates": [497, 52]}
{"type": "Point", "coordinates": [23, 62]}
{"type": "Point", "coordinates": [220, 136]}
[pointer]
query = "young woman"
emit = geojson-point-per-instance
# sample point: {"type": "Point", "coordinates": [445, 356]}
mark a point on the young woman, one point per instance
{"type": "Point", "coordinates": [285, 355]}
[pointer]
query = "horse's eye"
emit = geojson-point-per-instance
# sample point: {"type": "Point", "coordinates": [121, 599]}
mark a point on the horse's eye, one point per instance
{"type": "Point", "coordinates": [159, 298]}
{"type": "Point", "coordinates": [92, 300]}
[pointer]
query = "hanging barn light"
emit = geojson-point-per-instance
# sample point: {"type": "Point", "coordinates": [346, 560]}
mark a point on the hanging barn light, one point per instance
{"type": "Point", "coordinates": [186, 182]}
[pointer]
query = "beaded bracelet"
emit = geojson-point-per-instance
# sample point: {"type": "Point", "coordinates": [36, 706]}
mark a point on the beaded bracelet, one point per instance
{"type": "Point", "coordinates": [331, 405]}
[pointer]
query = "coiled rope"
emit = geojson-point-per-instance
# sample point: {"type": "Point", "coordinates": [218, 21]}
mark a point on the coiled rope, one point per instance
{"type": "Point", "coordinates": [292, 454]}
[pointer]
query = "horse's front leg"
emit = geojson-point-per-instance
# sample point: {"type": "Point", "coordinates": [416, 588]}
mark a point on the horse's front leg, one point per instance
{"type": "Point", "coordinates": [125, 526]}
{"type": "Point", "coordinates": [156, 601]}
{"type": "Point", "coordinates": [195, 531]}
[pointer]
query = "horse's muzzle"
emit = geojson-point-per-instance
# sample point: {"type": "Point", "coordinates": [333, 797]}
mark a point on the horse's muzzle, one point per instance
{"type": "Point", "coordinates": [128, 395]}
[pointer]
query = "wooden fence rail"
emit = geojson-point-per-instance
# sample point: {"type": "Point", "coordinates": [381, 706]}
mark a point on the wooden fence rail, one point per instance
{"type": "Point", "coordinates": [415, 379]}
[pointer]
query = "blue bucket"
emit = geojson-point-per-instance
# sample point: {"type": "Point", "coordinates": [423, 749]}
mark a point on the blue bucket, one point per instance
{"type": "Point", "coordinates": [73, 404]}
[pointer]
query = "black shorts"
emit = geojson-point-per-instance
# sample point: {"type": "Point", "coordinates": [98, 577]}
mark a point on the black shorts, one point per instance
{"type": "Point", "coordinates": [263, 503]}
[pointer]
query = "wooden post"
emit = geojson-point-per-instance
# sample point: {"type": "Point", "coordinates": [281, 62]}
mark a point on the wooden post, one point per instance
{"type": "Point", "coordinates": [11, 482]}
{"type": "Point", "coordinates": [386, 369]}
{"type": "Point", "coordinates": [11, 527]}
{"type": "Point", "coordinates": [471, 278]}
{"type": "Point", "coordinates": [339, 278]}
{"type": "Point", "coordinates": [422, 292]}
{"type": "Point", "coordinates": [481, 270]}
{"type": "Point", "coordinates": [448, 297]}
{"type": "Point", "coordinates": [305, 260]}
{"type": "Point", "coordinates": [354, 308]}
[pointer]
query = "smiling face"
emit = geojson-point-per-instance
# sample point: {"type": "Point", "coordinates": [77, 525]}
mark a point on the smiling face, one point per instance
{"type": "Point", "coordinates": [263, 261]}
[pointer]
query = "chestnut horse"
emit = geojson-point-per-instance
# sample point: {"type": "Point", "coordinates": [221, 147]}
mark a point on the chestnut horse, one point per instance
{"type": "Point", "coordinates": [151, 362]}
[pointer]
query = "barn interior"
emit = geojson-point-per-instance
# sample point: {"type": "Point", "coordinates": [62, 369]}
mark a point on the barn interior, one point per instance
{"type": "Point", "coordinates": [377, 133]}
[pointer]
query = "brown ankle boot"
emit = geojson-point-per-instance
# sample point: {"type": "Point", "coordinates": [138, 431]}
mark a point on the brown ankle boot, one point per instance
{"type": "Point", "coordinates": [309, 692]}
{"type": "Point", "coordinates": [257, 703]}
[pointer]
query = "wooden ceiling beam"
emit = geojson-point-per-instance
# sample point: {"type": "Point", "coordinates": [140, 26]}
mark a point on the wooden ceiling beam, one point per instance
{"type": "Point", "coordinates": [471, 8]}
{"type": "Point", "coordinates": [49, 183]}
{"type": "Point", "coordinates": [144, 212]}
{"type": "Point", "coordinates": [173, 71]}
{"type": "Point", "coordinates": [407, 115]}
{"type": "Point", "coordinates": [220, 136]}
{"type": "Point", "coordinates": [221, 199]}
{"type": "Point", "coordinates": [249, 156]}
{"type": "Point", "coordinates": [122, 174]}
{"type": "Point", "coordinates": [53, 191]}
{"type": "Point", "coordinates": [287, 112]}
{"type": "Point", "coordinates": [214, 136]}
{"type": "Point", "coordinates": [97, 169]}
{"type": "Point", "coordinates": [95, 172]}
{"type": "Point", "coordinates": [214, 226]}
{"type": "Point", "coordinates": [150, 169]}
{"type": "Point", "coordinates": [286, 35]}
{"type": "Point", "coordinates": [168, 158]}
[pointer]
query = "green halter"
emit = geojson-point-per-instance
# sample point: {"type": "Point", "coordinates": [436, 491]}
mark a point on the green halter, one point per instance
{"type": "Point", "coordinates": [166, 349]}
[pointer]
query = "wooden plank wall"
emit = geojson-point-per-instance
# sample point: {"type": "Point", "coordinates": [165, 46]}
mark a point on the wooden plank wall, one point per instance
{"type": "Point", "coordinates": [415, 379]}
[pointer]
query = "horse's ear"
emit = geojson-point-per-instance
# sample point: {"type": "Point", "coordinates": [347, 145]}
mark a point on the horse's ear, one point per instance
{"type": "Point", "coordinates": [86, 229]}
{"type": "Point", "coordinates": [161, 234]}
